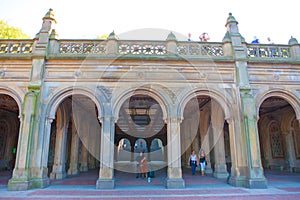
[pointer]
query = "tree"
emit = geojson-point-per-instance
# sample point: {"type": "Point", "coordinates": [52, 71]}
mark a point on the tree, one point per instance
{"type": "Point", "coordinates": [10, 32]}
{"type": "Point", "coordinates": [103, 37]}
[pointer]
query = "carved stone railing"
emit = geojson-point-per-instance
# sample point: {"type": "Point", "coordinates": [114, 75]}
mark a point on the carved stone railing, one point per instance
{"type": "Point", "coordinates": [144, 48]}
{"type": "Point", "coordinates": [200, 49]}
{"type": "Point", "coordinates": [268, 51]}
{"type": "Point", "coordinates": [16, 46]}
{"type": "Point", "coordinates": [138, 47]}
{"type": "Point", "coordinates": [82, 47]}
{"type": "Point", "coordinates": [127, 47]}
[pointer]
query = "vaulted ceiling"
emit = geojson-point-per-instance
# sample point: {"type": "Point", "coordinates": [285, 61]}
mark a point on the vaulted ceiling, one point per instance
{"type": "Point", "coordinates": [8, 104]}
{"type": "Point", "coordinates": [272, 104]}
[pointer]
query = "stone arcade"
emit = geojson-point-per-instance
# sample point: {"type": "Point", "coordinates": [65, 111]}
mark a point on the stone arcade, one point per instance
{"type": "Point", "coordinates": [67, 106]}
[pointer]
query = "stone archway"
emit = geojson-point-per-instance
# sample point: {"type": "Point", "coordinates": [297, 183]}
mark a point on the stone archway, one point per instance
{"type": "Point", "coordinates": [204, 127]}
{"type": "Point", "coordinates": [278, 134]}
{"type": "Point", "coordinates": [140, 120]}
{"type": "Point", "coordinates": [157, 150]}
{"type": "Point", "coordinates": [9, 131]}
{"type": "Point", "coordinates": [77, 136]}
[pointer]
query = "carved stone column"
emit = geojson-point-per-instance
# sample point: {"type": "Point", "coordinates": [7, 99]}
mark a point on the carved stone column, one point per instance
{"type": "Point", "coordinates": [45, 181]}
{"type": "Point", "coordinates": [73, 169]}
{"type": "Point", "coordinates": [246, 113]}
{"type": "Point", "coordinates": [255, 176]}
{"type": "Point", "coordinates": [84, 159]}
{"type": "Point", "coordinates": [290, 156]}
{"type": "Point", "coordinates": [30, 171]}
{"type": "Point", "coordinates": [174, 179]}
{"type": "Point", "coordinates": [217, 118]}
{"type": "Point", "coordinates": [234, 172]}
{"type": "Point", "coordinates": [205, 137]}
{"type": "Point", "coordinates": [21, 178]}
{"type": "Point", "coordinates": [220, 162]}
{"type": "Point", "coordinates": [93, 142]}
{"type": "Point", "coordinates": [185, 138]}
{"type": "Point", "coordinates": [106, 172]}
{"type": "Point", "coordinates": [92, 162]}
{"type": "Point", "coordinates": [59, 167]}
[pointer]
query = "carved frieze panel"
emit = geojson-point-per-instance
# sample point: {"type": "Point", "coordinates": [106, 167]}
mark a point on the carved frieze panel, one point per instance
{"type": "Point", "coordinates": [106, 91]}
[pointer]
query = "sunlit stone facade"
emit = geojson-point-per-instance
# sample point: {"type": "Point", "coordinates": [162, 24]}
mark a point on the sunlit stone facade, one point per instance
{"type": "Point", "coordinates": [68, 106]}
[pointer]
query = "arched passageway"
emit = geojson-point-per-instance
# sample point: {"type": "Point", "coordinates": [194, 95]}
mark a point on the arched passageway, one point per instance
{"type": "Point", "coordinates": [140, 128]}
{"type": "Point", "coordinates": [9, 132]}
{"type": "Point", "coordinates": [279, 135]}
{"type": "Point", "coordinates": [74, 144]}
{"type": "Point", "coordinates": [204, 127]}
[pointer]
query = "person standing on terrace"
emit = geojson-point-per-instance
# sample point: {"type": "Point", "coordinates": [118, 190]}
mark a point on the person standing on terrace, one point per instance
{"type": "Point", "coordinates": [255, 40]}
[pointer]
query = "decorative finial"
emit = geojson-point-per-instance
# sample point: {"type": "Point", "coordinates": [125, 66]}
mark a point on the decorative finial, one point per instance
{"type": "Point", "coordinates": [171, 36]}
{"type": "Point", "coordinates": [50, 15]}
{"type": "Point", "coordinates": [231, 19]}
{"type": "Point", "coordinates": [112, 36]}
{"type": "Point", "coordinates": [293, 41]}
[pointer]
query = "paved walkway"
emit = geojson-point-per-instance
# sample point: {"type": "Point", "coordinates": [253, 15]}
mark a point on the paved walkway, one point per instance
{"type": "Point", "coordinates": [282, 185]}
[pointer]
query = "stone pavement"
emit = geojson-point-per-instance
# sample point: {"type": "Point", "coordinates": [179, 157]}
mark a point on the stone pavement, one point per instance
{"type": "Point", "coordinates": [282, 185]}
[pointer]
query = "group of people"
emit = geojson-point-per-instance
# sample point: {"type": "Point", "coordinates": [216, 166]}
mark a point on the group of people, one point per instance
{"type": "Point", "coordinates": [204, 37]}
{"type": "Point", "coordinates": [256, 40]}
{"type": "Point", "coordinates": [195, 160]}
{"type": "Point", "coordinates": [142, 169]}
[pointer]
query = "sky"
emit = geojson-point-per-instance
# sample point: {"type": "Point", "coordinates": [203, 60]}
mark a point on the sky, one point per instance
{"type": "Point", "coordinates": [88, 19]}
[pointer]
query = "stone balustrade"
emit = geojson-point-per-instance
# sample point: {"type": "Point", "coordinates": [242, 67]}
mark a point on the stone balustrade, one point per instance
{"type": "Point", "coordinates": [145, 48]}
{"type": "Point", "coordinates": [16, 46]}
{"type": "Point", "coordinates": [268, 51]}
{"type": "Point", "coordinates": [82, 47]}
{"type": "Point", "coordinates": [200, 49]}
{"type": "Point", "coordinates": [132, 47]}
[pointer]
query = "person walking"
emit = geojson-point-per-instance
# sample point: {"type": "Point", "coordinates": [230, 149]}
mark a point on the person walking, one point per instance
{"type": "Point", "coordinates": [202, 161]}
{"type": "Point", "coordinates": [141, 165]}
{"type": "Point", "coordinates": [193, 162]}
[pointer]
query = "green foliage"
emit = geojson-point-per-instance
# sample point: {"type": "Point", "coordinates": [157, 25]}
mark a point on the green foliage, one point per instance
{"type": "Point", "coordinates": [10, 32]}
{"type": "Point", "coordinates": [103, 37]}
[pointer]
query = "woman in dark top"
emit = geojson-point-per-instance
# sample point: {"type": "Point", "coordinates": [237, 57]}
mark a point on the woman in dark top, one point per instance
{"type": "Point", "coordinates": [202, 161]}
